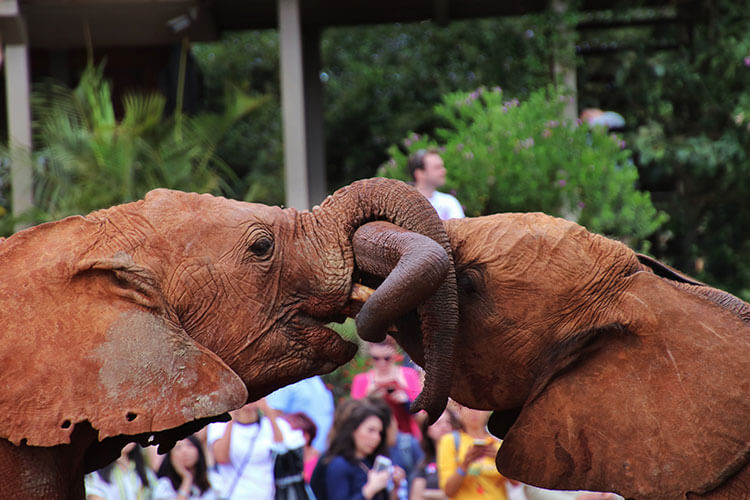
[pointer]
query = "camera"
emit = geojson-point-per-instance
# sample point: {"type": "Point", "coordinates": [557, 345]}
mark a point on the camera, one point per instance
{"type": "Point", "coordinates": [381, 463]}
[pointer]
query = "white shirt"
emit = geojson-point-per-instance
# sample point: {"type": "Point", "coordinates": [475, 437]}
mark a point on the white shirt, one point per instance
{"type": "Point", "coordinates": [123, 485]}
{"type": "Point", "coordinates": [254, 441]}
{"type": "Point", "coordinates": [165, 491]}
{"type": "Point", "coordinates": [446, 206]}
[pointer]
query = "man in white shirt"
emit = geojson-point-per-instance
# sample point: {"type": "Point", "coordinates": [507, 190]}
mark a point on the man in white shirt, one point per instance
{"type": "Point", "coordinates": [428, 171]}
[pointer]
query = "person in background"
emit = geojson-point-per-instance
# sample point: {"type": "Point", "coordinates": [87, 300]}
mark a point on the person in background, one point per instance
{"type": "Point", "coordinates": [425, 484]}
{"type": "Point", "coordinates": [466, 460]}
{"type": "Point", "coordinates": [302, 422]}
{"type": "Point", "coordinates": [403, 448]}
{"type": "Point", "coordinates": [312, 397]}
{"type": "Point", "coordinates": [428, 171]}
{"type": "Point", "coordinates": [244, 451]}
{"type": "Point", "coordinates": [358, 438]}
{"type": "Point", "coordinates": [127, 478]}
{"type": "Point", "coordinates": [397, 385]}
{"type": "Point", "coordinates": [183, 474]}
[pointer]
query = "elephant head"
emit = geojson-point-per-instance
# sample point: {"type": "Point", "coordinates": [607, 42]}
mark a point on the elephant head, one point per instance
{"type": "Point", "coordinates": [147, 316]}
{"type": "Point", "coordinates": [607, 370]}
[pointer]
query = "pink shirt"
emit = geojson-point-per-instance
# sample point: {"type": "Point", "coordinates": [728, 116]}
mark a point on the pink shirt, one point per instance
{"type": "Point", "coordinates": [408, 379]}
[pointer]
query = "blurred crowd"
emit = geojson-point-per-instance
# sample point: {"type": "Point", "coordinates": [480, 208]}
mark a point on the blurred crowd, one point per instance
{"type": "Point", "coordinates": [296, 444]}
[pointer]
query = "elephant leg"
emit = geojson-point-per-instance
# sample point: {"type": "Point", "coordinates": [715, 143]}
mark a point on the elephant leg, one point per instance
{"type": "Point", "coordinates": [45, 473]}
{"type": "Point", "coordinates": [736, 488]}
{"type": "Point", "coordinates": [30, 472]}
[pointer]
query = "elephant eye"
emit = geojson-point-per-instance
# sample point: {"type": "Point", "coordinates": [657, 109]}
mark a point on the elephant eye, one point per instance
{"type": "Point", "coordinates": [261, 247]}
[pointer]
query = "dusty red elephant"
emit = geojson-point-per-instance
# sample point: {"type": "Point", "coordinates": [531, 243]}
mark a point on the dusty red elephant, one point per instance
{"type": "Point", "coordinates": [147, 320]}
{"type": "Point", "coordinates": [607, 370]}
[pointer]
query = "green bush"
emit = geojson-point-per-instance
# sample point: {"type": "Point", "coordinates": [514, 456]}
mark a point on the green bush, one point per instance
{"type": "Point", "coordinates": [89, 159]}
{"type": "Point", "coordinates": [509, 156]}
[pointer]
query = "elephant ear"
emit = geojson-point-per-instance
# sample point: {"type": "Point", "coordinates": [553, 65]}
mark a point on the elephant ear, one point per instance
{"type": "Point", "coordinates": [87, 339]}
{"type": "Point", "coordinates": [659, 410]}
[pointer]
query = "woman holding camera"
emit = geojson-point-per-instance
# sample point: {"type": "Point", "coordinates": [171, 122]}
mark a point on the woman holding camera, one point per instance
{"type": "Point", "coordinates": [397, 385]}
{"type": "Point", "coordinates": [355, 468]}
{"type": "Point", "coordinates": [466, 460]}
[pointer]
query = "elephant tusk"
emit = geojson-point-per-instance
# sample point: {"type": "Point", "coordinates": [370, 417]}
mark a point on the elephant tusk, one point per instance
{"type": "Point", "coordinates": [360, 293]}
{"type": "Point", "coordinates": [357, 298]}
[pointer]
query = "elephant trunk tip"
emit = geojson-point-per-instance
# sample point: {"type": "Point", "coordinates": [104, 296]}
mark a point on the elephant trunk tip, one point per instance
{"type": "Point", "coordinates": [434, 406]}
{"type": "Point", "coordinates": [370, 324]}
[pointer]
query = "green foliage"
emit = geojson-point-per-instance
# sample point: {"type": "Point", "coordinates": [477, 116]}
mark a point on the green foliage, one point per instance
{"type": "Point", "coordinates": [253, 147]}
{"type": "Point", "coordinates": [378, 82]}
{"type": "Point", "coordinates": [509, 156]}
{"type": "Point", "coordinates": [689, 111]}
{"type": "Point", "coordinates": [88, 160]}
{"type": "Point", "coordinates": [381, 81]}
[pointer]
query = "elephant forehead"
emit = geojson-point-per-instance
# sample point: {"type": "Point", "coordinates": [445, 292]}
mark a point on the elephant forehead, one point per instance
{"type": "Point", "coordinates": [521, 246]}
{"type": "Point", "coordinates": [206, 207]}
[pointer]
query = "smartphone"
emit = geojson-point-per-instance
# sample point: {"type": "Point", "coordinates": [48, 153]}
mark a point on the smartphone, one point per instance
{"type": "Point", "coordinates": [381, 463]}
{"type": "Point", "coordinates": [480, 442]}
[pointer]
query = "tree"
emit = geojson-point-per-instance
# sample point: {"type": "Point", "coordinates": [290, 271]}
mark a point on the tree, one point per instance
{"type": "Point", "coordinates": [88, 159]}
{"type": "Point", "coordinates": [511, 156]}
{"type": "Point", "coordinates": [378, 81]}
{"type": "Point", "coordinates": [688, 109]}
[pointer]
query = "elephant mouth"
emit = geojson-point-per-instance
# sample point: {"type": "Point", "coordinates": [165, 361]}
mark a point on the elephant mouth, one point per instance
{"type": "Point", "coordinates": [329, 350]}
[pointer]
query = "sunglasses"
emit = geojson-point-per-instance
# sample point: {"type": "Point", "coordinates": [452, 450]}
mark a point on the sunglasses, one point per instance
{"type": "Point", "coordinates": [383, 358]}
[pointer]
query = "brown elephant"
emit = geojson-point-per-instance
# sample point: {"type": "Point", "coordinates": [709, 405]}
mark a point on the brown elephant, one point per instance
{"type": "Point", "coordinates": [607, 370]}
{"type": "Point", "coordinates": [145, 321]}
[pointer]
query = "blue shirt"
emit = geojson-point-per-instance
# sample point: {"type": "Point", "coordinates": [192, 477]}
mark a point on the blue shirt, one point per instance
{"type": "Point", "coordinates": [312, 397]}
{"type": "Point", "coordinates": [344, 480]}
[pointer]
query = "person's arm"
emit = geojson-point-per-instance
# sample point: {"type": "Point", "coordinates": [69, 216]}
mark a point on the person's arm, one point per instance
{"type": "Point", "coordinates": [398, 476]}
{"type": "Point", "coordinates": [272, 414]}
{"type": "Point", "coordinates": [454, 482]}
{"type": "Point", "coordinates": [359, 386]}
{"type": "Point", "coordinates": [186, 485]}
{"type": "Point", "coordinates": [418, 487]}
{"type": "Point", "coordinates": [221, 446]}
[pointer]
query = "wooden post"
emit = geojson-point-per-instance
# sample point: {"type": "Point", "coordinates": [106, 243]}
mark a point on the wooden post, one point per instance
{"type": "Point", "coordinates": [301, 103]}
{"type": "Point", "coordinates": [18, 107]}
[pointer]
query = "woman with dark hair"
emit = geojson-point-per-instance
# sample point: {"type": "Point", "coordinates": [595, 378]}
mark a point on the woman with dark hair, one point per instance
{"type": "Point", "coordinates": [302, 422]}
{"type": "Point", "coordinates": [183, 474]}
{"type": "Point", "coordinates": [359, 437]}
{"type": "Point", "coordinates": [424, 484]}
{"type": "Point", "coordinates": [127, 478]}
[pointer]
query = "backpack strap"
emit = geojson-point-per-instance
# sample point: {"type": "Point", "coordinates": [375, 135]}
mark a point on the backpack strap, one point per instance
{"type": "Point", "coordinates": [456, 442]}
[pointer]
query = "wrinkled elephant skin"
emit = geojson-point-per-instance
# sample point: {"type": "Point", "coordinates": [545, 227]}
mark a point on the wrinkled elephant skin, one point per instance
{"type": "Point", "coordinates": [148, 320]}
{"type": "Point", "coordinates": [607, 370]}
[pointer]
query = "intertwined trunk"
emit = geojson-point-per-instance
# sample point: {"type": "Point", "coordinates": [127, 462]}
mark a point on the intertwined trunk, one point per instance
{"type": "Point", "coordinates": [395, 202]}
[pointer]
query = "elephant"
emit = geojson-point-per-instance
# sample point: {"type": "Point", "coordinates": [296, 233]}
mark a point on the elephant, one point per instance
{"type": "Point", "coordinates": [606, 369]}
{"type": "Point", "coordinates": [145, 321]}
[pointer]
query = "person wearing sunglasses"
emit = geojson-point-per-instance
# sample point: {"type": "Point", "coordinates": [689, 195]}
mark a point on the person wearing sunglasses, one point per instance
{"type": "Point", "coordinates": [397, 385]}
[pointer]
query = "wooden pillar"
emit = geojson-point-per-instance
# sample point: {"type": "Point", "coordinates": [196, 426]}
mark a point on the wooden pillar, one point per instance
{"type": "Point", "coordinates": [301, 103]}
{"type": "Point", "coordinates": [18, 110]}
{"type": "Point", "coordinates": [565, 62]}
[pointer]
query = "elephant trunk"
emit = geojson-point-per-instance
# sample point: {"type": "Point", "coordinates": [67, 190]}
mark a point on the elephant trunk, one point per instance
{"type": "Point", "coordinates": [414, 267]}
{"type": "Point", "coordinates": [393, 201]}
